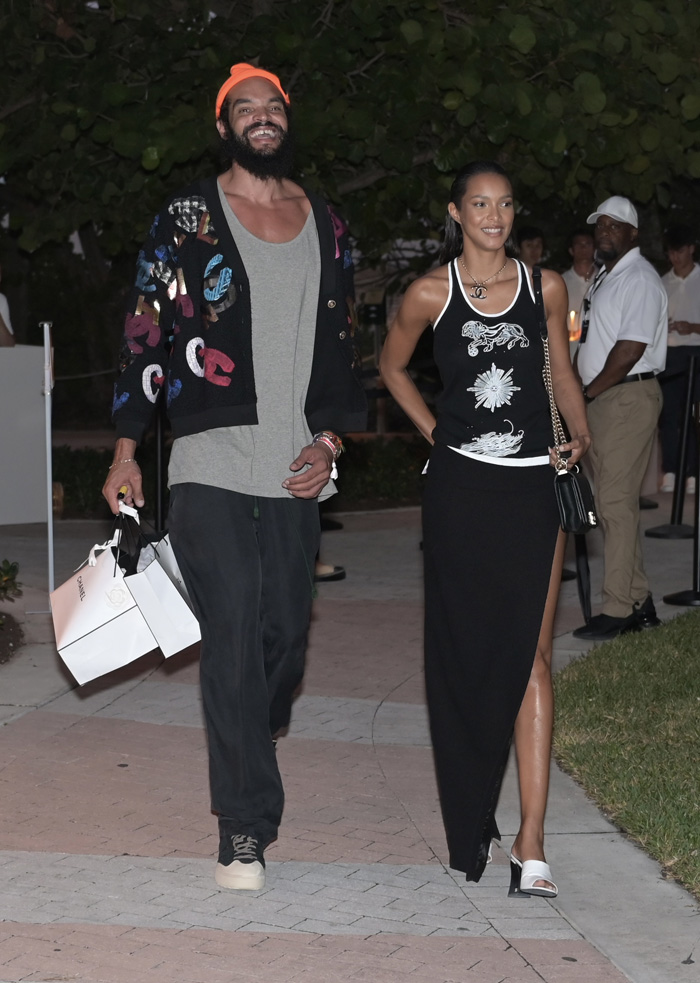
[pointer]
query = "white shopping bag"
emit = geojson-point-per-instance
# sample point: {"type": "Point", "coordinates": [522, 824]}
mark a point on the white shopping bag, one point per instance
{"type": "Point", "coordinates": [97, 624]}
{"type": "Point", "coordinates": [166, 557]}
{"type": "Point", "coordinates": [160, 595]}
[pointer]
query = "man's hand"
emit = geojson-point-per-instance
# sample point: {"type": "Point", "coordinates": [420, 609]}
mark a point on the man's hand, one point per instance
{"type": "Point", "coordinates": [124, 476]}
{"type": "Point", "coordinates": [622, 358]}
{"type": "Point", "coordinates": [318, 460]}
{"type": "Point", "coordinates": [682, 327]}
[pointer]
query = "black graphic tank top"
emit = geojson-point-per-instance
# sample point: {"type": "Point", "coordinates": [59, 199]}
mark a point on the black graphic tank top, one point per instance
{"type": "Point", "coordinates": [494, 402]}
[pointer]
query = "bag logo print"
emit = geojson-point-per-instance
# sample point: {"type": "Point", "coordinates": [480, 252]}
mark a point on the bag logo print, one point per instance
{"type": "Point", "coordinates": [117, 597]}
{"type": "Point", "coordinates": [81, 589]}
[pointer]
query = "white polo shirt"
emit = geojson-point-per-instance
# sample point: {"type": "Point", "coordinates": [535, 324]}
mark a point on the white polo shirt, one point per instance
{"type": "Point", "coordinates": [627, 304]}
{"type": "Point", "coordinates": [577, 287]}
{"type": "Point", "coordinates": [683, 304]}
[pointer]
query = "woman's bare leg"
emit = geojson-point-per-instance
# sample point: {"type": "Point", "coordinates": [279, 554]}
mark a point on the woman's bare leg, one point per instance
{"type": "Point", "coordinates": [533, 730]}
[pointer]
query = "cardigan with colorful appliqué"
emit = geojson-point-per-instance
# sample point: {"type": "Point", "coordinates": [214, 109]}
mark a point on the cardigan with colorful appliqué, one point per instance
{"type": "Point", "coordinates": [188, 329]}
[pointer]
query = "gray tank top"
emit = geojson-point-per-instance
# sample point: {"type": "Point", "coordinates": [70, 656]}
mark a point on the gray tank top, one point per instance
{"type": "Point", "coordinates": [284, 285]}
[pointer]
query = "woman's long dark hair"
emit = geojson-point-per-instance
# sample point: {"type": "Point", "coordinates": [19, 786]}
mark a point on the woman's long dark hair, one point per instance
{"type": "Point", "coordinates": [452, 243]}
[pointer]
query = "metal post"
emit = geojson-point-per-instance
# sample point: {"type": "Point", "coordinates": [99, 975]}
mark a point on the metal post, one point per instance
{"type": "Point", "coordinates": [46, 391]}
{"type": "Point", "coordinates": [691, 598]}
{"type": "Point", "coordinates": [48, 388]}
{"type": "Point", "coordinates": [677, 529]}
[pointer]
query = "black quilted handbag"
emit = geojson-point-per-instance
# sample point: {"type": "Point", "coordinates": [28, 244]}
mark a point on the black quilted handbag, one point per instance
{"type": "Point", "coordinates": [572, 489]}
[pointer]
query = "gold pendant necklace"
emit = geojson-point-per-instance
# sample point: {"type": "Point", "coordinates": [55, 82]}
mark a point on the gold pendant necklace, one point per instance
{"type": "Point", "coordinates": [479, 289]}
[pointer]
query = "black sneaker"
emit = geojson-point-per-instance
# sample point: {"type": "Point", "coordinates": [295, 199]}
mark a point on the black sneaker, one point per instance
{"type": "Point", "coordinates": [604, 627]}
{"type": "Point", "coordinates": [241, 865]}
{"type": "Point", "coordinates": [646, 614]}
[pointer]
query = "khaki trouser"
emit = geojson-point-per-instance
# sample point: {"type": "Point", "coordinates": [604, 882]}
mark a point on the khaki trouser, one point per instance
{"type": "Point", "coordinates": [622, 422]}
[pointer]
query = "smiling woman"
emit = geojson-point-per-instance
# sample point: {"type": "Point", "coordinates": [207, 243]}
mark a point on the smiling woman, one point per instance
{"type": "Point", "coordinates": [491, 546]}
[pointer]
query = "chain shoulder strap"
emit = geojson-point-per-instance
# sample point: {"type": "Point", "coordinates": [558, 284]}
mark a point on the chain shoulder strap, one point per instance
{"type": "Point", "coordinates": [557, 426]}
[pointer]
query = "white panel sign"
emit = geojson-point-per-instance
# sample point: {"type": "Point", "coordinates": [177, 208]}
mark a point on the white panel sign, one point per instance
{"type": "Point", "coordinates": [23, 496]}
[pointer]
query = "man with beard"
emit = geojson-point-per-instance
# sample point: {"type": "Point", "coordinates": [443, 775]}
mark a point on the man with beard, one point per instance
{"type": "Point", "coordinates": [622, 350]}
{"type": "Point", "coordinates": [241, 314]}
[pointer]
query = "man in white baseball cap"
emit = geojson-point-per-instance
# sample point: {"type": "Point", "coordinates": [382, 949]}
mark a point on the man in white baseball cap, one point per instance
{"type": "Point", "coordinates": [622, 350]}
{"type": "Point", "coordinates": [618, 208]}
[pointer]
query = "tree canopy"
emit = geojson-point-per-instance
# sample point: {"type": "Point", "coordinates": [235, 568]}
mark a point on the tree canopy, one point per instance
{"type": "Point", "coordinates": [107, 105]}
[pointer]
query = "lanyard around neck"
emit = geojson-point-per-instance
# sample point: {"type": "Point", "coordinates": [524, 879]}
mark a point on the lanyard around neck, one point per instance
{"type": "Point", "coordinates": [585, 320]}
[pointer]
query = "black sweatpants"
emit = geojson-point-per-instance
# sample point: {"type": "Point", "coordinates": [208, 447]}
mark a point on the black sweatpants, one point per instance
{"type": "Point", "coordinates": [248, 564]}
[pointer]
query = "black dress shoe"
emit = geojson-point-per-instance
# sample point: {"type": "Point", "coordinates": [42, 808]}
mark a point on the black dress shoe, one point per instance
{"type": "Point", "coordinates": [647, 503]}
{"type": "Point", "coordinates": [646, 614]}
{"type": "Point", "coordinates": [604, 627]}
{"type": "Point", "coordinates": [568, 574]}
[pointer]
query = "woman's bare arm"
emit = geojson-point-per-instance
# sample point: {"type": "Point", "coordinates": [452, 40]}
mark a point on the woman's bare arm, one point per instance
{"type": "Point", "coordinates": [422, 303]}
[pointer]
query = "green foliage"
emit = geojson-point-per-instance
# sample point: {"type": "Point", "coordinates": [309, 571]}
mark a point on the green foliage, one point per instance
{"type": "Point", "coordinates": [82, 473]}
{"type": "Point", "coordinates": [374, 473]}
{"type": "Point", "coordinates": [10, 587]}
{"type": "Point", "coordinates": [628, 729]}
{"type": "Point", "coordinates": [380, 473]}
{"type": "Point", "coordinates": [106, 107]}
{"type": "Point", "coordinates": [86, 311]}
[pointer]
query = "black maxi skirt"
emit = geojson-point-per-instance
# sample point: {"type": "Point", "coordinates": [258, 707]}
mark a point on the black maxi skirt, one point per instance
{"type": "Point", "coordinates": [489, 536]}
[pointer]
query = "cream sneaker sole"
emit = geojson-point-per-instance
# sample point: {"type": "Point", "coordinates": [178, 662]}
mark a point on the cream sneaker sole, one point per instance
{"type": "Point", "coordinates": [241, 877]}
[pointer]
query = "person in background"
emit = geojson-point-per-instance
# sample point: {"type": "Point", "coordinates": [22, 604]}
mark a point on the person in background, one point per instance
{"type": "Point", "coordinates": [530, 241]}
{"type": "Point", "coordinates": [682, 285]}
{"type": "Point", "coordinates": [579, 276]}
{"type": "Point", "coordinates": [241, 317]}
{"type": "Point", "coordinates": [7, 335]}
{"type": "Point", "coordinates": [492, 546]}
{"type": "Point", "coordinates": [621, 352]}
{"type": "Point", "coordinates": [578, 279]}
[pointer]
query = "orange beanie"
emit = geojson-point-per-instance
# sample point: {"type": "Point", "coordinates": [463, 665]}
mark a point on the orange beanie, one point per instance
{"type": "Point", "coordinates": [243, 71]}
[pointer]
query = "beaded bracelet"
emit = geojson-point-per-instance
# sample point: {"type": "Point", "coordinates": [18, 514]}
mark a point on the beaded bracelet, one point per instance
{"type": "Point", "coordinates": [331, 441]}
{"type": "Point", "coordinates": [329, 445]}
{"type": "Point", "coordinates": [127, 460]}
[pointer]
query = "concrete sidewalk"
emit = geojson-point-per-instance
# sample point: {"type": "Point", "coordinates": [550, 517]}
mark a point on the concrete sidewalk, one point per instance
{"type": "Point", "coordinates": [107, 847]}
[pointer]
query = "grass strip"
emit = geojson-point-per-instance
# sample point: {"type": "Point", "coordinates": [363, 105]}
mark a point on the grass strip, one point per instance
{"type": "Point", "coordinates": [628, 731]}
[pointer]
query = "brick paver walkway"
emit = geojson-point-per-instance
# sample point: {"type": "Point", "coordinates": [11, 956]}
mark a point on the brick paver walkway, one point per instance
{"type": "Point", "coordinates": [108, 846]}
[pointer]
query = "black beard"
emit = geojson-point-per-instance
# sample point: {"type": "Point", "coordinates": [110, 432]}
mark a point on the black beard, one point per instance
{"type": "Point", "coordinates": [608, 252]}
{"type": "Point", "coordinates": [275, 164]}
